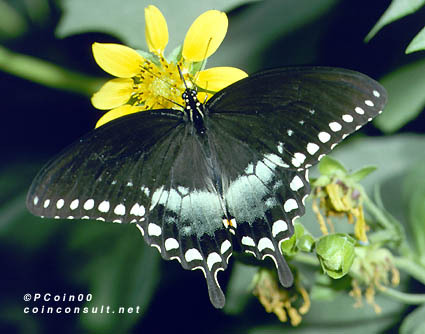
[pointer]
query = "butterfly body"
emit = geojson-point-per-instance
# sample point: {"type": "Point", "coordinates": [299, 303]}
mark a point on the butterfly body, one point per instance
{"type": "Point", "coordinates": [232, 170]}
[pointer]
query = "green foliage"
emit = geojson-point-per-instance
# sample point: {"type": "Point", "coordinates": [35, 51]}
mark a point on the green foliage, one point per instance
{"type": "Point", "coordinates": [108, 17]}
{"type": "Point", "coordinates": [414, 199]}
{"type": "Point", "coordinates": [404, 105]}
{"type": "Point", "coordinates": [397, 10]}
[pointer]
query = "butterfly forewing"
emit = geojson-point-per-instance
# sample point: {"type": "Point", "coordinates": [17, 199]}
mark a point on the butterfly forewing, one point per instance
{"type": "Point", "coordinates": [298, 114]}
{"type": "Point", "coordinates": [110, 173]}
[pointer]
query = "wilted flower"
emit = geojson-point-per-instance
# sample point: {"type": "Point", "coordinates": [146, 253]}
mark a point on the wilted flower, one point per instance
{"type": "Point", "coordinates": [337, 193]}
{"type": "Point", "coordinates": [282, 302]}
{"type": "Point", "coordinates": [371, 270]}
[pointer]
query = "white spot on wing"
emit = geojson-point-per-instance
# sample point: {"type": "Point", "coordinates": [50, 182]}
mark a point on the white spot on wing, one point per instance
{"type": "Point", "coordinates": [369, 103]}
{"type": "Point", "coordinates": [170, 244]}
{"type": "Point", "coordinates": [154, 229]}
{"type": "Point", "coordinates": [296, 183]}
{"type": "Point", "coordinates": [46, 203]}
{"type": "Point", "coordinates": [324, 137]}
{"type": "Point", "coordinates": [120, 210]}
{"type": "Point", "coordinates": [279, 226]}
{"type": "Point", "coordinates": [376, 93]}
{"type": "Point", "coordinates": [60, 203]}
{"type": "Point", "coordinates": [335, 126]}
{"type": "Point", "coordinates": [247, 241]}
{"type": "Point", "coordinates": [192, 255]}
{"type": "Point", "coordinates": [225, 246]}
{"type": "Point", "coordinates": [359, 110]}
{"type": "Point", "coordinates": [89, 204]}
{"type": "Point", "coordinates": [312, 148]}
{"type": "Point", "coordinates": [299, 157]}
{"type": "Point", "coordinates": [265, 243]}
{"type": "Point", "coordinates": [290, 205]}
{"type": "Point", "coordinates": [280, 147]}
{"type": "Point", "coordinates": [104, 206]}
{"type": "Point", "coordinates": [35, 200]}
{"type": "Point", "coordinates": [212, 259]}
{"type": "Point", "coordinates": [347, 118]}
{"type": "Point", "coordinates": [137, 210]}
{"type": "Point", "coordinates": [74, 204]}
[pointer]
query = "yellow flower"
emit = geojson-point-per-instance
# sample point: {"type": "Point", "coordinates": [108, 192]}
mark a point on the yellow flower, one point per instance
{"type": "Point", "coordinates": [150, 81]}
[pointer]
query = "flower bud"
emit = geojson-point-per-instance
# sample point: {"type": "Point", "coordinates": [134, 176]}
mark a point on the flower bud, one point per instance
{"type": "Point", "coordinates": [336, 254]}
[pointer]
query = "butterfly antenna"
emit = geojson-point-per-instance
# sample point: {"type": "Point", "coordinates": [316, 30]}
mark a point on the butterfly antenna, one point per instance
{"type": "Point", "coordinates": [181, 76]}
{"type": "Point", "coordinates": [204, 61]}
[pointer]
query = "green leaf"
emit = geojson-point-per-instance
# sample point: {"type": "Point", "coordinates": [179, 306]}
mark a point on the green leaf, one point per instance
{"type": "Point", "coordinates": [405, 88]}
{"type": "Point", "coordinates": [418, 43]}
{"type": "Point", "coordinates": [126, 20]}
{"type": "Point", "coordinates": [397, 10]}
{"type": "Point", "coordinates": [329, 166]}
{"type": "Point", "coordinates": [414, 199]}
{"type": "Point", "coordinates": [414, 323]}
{"type": "Point", "coordinates": [362, 173]}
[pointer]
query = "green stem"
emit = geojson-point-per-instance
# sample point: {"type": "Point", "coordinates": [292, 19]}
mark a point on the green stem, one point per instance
{"type": "Point", "coordinates": [406, 298]}
{"type": "Point", "coordinates": [410, 267]}
{"type": "Point", "coordinates": [374, 210]}
{"type": "Point", "coordinates": [46, 73]}
{"type": "Point", "coordinates": [306, 259]}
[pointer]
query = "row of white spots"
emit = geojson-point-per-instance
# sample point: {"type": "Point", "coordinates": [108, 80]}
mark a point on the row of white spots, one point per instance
{"type": "Point", "coordinates": [263, 243]}
{"type": "Point", "coordinates": [290, 204]}
{"type": "Point", "coordinates": [104, 206]}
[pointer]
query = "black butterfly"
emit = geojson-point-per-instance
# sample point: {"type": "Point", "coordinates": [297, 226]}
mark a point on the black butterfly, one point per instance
{"type": "Point", "coordinates": [232, 170]}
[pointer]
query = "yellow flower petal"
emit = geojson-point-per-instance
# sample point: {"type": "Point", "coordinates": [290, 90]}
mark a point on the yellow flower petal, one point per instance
{"type": "Point", "coordinates": [126, 109]}
{"type": "Point", "coordinates": [156, 30]}
{"type": "Point", "coordinates": [205, 35]}
{"type": "Point", "coordinates": [113, 93]}
{"type": "Point", "coordinates": [216, 78]}
{"type": "Point", "coordinates": [116, 59]}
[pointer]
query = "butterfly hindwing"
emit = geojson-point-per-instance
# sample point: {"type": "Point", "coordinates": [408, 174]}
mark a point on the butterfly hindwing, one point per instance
{"type": "Point", "coordinates": [297, 113]}
{"type": "Point", "coordinates": [185, 217]}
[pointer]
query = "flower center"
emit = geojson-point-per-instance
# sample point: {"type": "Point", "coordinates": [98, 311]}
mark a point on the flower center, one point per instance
{"type": "Point", "coordinates": [158, 86]}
